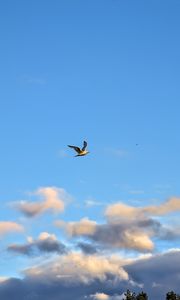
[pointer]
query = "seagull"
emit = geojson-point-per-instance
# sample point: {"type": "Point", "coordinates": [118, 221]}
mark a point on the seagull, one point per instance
{"type": "Point", "coordinates": [81, 152]}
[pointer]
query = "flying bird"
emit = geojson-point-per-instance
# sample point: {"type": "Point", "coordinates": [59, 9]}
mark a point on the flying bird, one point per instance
{"type": "Point", "coordinates": [81, 152]}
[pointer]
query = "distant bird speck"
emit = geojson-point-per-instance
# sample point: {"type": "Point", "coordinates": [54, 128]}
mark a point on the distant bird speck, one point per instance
{"type": "Point", "coordinates": [81, 152]}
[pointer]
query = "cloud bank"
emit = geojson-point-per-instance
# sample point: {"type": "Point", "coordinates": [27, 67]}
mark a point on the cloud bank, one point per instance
{"type": "Point", "coordinates": [77, 276]}
{"type": "Point", "coordinates": [81, 268]}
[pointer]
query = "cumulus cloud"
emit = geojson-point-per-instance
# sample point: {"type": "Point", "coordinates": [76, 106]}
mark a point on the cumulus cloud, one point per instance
{"type": "Point", "coordinates": [126, 227]}
{"type": "Point", "coordinates": [7, 227]}
{"type": "Point", "coordinates": [129, 235]}
{"type": "Point", "coordinates": [46, 243]}
{"type": "Point", "coordinates": [132, 227]}
{"type": "Point", "coordinates": [81, 268]}
{"type": "Point", "coordinates": [83, 227]}
{"type": "Point", "coordinates": [53, 199]}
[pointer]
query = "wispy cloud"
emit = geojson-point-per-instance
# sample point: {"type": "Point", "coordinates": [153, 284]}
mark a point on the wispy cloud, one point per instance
{"type": "Point", "coordinates": [136, 192]}
{"type": "Point", "coordinates": [34, 80]}
{"type": "Point", "coordinates": [91, 203]}
{"type": "Point", "coordinates": [122, 210]}
{"type": "Point", "coordinates": [62, 153]}
{"type": "Point", "coordinates": [117, 152]}
{"type": "Point", "coordinates": [162, 188]}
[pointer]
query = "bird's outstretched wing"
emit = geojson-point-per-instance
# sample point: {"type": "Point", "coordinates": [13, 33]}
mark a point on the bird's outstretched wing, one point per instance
{"type": "Point", "coordinates": [84, 146]}
{"type": "Point", "coordinates": [77, 149]}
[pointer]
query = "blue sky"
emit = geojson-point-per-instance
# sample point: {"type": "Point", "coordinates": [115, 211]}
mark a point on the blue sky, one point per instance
{"type": "Point", "coordinates": [104, 71]}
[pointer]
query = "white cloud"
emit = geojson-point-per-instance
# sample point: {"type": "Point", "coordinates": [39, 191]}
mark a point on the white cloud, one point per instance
{"type": "Point", "coordinates": [81, 268]}
{"type": "Point", "coordinates": [7, 227]}
{"type": "Point", "coordinates": [100, 296]}
{"type": "Point", "coordinates": [53, 199]}
{"type": "Point", "coordinates": [121, 210]}
{"type": "Point", "coordinates": [103, 296]}
{"type": "Point", "coordinates": [83, 227]}
{"type": "Point", "coordinates": [129, 235]}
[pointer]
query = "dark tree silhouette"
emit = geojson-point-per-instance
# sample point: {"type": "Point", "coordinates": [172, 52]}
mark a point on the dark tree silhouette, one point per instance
{"type": "Point", "coordinates": [172, 296]}
{"type": "Point", "coordinates": [130, 295]}
{"type": "Point", "coordinates": [142, 296]}
{"type": "Point", "coordinates": [127, 295]}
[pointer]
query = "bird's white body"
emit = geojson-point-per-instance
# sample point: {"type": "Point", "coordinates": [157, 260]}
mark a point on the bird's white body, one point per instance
{"type": "Point", "coordinates": [80, 152]}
